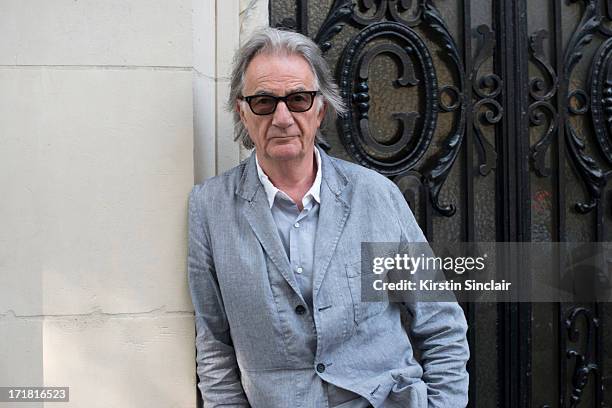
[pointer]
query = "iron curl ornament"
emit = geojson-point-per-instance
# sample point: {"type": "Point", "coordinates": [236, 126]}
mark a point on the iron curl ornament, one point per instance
{"type": "Point", "coordinates": [542, 91]}
{"type": "Point", "coordinates": [589, 170]}
{"type": "Point", "coordinates": [397, 19]}
{"type": "Point", "coordinates": [601, 98]}
{"type": "Point", "coordinates": [407, 48]}
{"type": "Point", "coordinates": [438, 167]}
{"type": "Point", "coordinates": [584, 361]}
{"type": "Point", "coordinates": [486, 110]}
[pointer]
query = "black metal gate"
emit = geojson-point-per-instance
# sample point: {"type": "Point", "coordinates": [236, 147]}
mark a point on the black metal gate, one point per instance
{"type": "Point", "coordinates": [494, 117]}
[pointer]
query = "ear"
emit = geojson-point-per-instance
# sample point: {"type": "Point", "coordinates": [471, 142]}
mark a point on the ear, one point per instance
{"type": "Point", "coordinates": [240, 110]}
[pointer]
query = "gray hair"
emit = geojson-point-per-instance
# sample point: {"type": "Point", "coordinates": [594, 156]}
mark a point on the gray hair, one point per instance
{"type": "Point", "coordinates": [274, 41]}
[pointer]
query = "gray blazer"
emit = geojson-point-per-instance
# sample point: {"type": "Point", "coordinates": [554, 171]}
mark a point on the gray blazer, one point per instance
{"type": "Point", "coordinates": [249, 351]}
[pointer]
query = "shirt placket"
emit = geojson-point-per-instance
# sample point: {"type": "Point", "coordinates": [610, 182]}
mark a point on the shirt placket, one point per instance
{"type": "Point", "coordinates": [296, 249]}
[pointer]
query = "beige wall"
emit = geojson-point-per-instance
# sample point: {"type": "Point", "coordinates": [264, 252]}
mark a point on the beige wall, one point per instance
{"type": "Point", "coordinates": [102, 106]}
{"type": "Point", "coordinates": [219, 28]}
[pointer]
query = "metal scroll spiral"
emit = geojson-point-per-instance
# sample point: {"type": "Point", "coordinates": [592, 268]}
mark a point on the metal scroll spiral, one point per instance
{"type": "Point", "coordinates": [393, 9]}
{"type": "Point", "coordinates": [486, 89]}
{"type": "Point", "coordinates": [591, 173]}
{"type": "Point", "coordinates": [365, 14]}
{"type": "Point", "coordinates": [406, 47]}
{"type": "Point", "coordinates": [541, 93]}
{"type": "Point", "coordinates": [403, 151]}
{"type": "Point", "coordinates": [337, 17]}
{"type": "Point", "coordinates": [584, 364]}
{"type": "Point", "coordinates": [601, 98]}
{"type": "Point", "coordinates": [601, 94]}
{"type": "Point", "coordinates": [343, 12]}
{"type": "Point", "coordinates": [437, 169]}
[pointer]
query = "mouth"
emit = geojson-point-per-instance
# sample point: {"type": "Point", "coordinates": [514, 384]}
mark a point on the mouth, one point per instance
{"type": "Point", "coordinates": [283, 137]}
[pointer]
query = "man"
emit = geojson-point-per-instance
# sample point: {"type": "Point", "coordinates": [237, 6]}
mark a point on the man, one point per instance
{"type": "Point", "coordinates": [274, 260]}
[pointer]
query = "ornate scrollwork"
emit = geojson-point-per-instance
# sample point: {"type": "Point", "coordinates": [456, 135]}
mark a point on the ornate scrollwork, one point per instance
{"type": "Point", "coordinates": [578, 102]}
{"type": "Point", "coordinates": [584, 363]}
{"type": "Point", "coordinates": [400, 6]}
{"type": "Point", "coordinates": [541, 92]}
{"type": "Point", "coordinates": [491, 116]}
{"type": "Point", "coordinates": [366, 5]}
{"type": "Point", "coordinates": [453, 94]}
{"type": "Point", "coordinates": [537, 113]}
{"type": "Point", "coordinates": [538, 88]}
{"type": "Point", "coordinates": [601, 98]}
{"type": "Point", "coordinates": [406, 47]}
{"type": "Point", "coordinates": [340, 12]}
{"type": "Point", "coordinates": [592, 175]}
{"type": "Point", "coordinates": [438, 167]}
{"type": "Point", "coordinates": [411, 186]}
{"type": "Point", "coordinates": [370, 15]}
{"type": "Point", "coordinates": [391, 9]}
{"type": "Point", "coordinates": [486, 88]}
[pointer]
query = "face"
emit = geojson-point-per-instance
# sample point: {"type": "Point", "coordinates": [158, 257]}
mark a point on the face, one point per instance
{"type": "Point", "coordinates": [282, 135]}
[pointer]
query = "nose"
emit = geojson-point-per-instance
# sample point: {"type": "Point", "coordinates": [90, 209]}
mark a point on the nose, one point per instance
{"type": "Point", "coordinates": [282, 117]}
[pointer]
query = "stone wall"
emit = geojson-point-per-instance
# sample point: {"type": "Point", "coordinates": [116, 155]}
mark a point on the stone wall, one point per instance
{"type": "Point", "coordinates": [109, 111]}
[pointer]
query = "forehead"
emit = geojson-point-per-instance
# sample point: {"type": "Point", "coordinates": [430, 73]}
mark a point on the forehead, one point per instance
{"type": "Point", "coordinates": [278, 74]}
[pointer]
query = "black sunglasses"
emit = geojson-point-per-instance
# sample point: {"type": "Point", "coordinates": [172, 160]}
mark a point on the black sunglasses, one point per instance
{"type": "Point", "coordinates": [266, 104]}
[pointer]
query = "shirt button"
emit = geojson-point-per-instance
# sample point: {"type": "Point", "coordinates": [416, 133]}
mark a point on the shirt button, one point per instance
{"type": "Point", "coordinates": [320, 367]}
{"type": "Point", "coordinates": [296, 225]}
{"type": "Point", "coordinates": [299, 269]}
{"type": "Point", "coordinates": [299, 309]}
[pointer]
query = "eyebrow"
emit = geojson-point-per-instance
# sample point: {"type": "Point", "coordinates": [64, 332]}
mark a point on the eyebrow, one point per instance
{"type": "Point", "coordinates": [290, 91]}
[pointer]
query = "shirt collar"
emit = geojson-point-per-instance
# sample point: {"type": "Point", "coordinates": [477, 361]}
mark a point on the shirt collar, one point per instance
{"type": "Point", "coordinates": [314, 193]}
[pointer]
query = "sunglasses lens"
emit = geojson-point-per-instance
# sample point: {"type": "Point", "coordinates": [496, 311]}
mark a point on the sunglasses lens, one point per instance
{"type": "Point", "coordinates": [299, 102]}
{"type": "Point", "coordinates": [262, 105]}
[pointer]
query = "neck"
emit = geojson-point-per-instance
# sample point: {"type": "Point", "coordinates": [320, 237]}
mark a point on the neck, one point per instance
{"type": "Point", "coordinates": [294, 177]}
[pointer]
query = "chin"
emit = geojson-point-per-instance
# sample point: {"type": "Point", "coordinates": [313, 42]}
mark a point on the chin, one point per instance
{"type": "Point", "coordinates": [285, 152]}
{"type": "Point", "coordinates": [286, 157]}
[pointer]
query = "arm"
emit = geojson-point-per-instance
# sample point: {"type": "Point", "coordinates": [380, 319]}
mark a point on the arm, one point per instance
{"type": "Point", "coordinates": [216, 360]}
{"type": "Point", "coordinates": [438, 331]}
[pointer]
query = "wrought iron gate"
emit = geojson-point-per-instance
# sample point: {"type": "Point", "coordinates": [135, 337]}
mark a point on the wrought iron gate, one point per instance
{"type": "Point", "coordinates": [494, 117]}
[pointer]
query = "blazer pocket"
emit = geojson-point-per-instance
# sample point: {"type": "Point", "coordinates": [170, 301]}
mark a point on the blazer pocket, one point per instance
{"type": "Point", "coordinates": [368, 308]}
{"type": "Point", "coordinates": [408, 395]}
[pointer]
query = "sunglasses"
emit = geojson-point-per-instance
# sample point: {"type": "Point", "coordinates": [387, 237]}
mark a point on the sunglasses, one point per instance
{"type": "Point", "coordinates": [266, 104]}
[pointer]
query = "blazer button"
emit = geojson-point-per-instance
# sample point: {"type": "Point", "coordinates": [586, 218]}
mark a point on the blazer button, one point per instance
{"type": "Point", "coordinates": [320, 367]}
{"type": "Point", "coordinates": [299, 309]}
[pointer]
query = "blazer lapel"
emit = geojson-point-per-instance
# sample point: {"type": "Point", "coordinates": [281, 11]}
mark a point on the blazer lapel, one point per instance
{"type": "Point", "coordinates": [333, 214]}
{"type": "Point", "coordinates": [257, 213]}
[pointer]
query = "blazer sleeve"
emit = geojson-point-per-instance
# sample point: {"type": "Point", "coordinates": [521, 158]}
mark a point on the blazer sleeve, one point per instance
{"type": "Point", "coordinates": [438, 330]}
{"type": "Point", "coordinates": [217, 368]}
